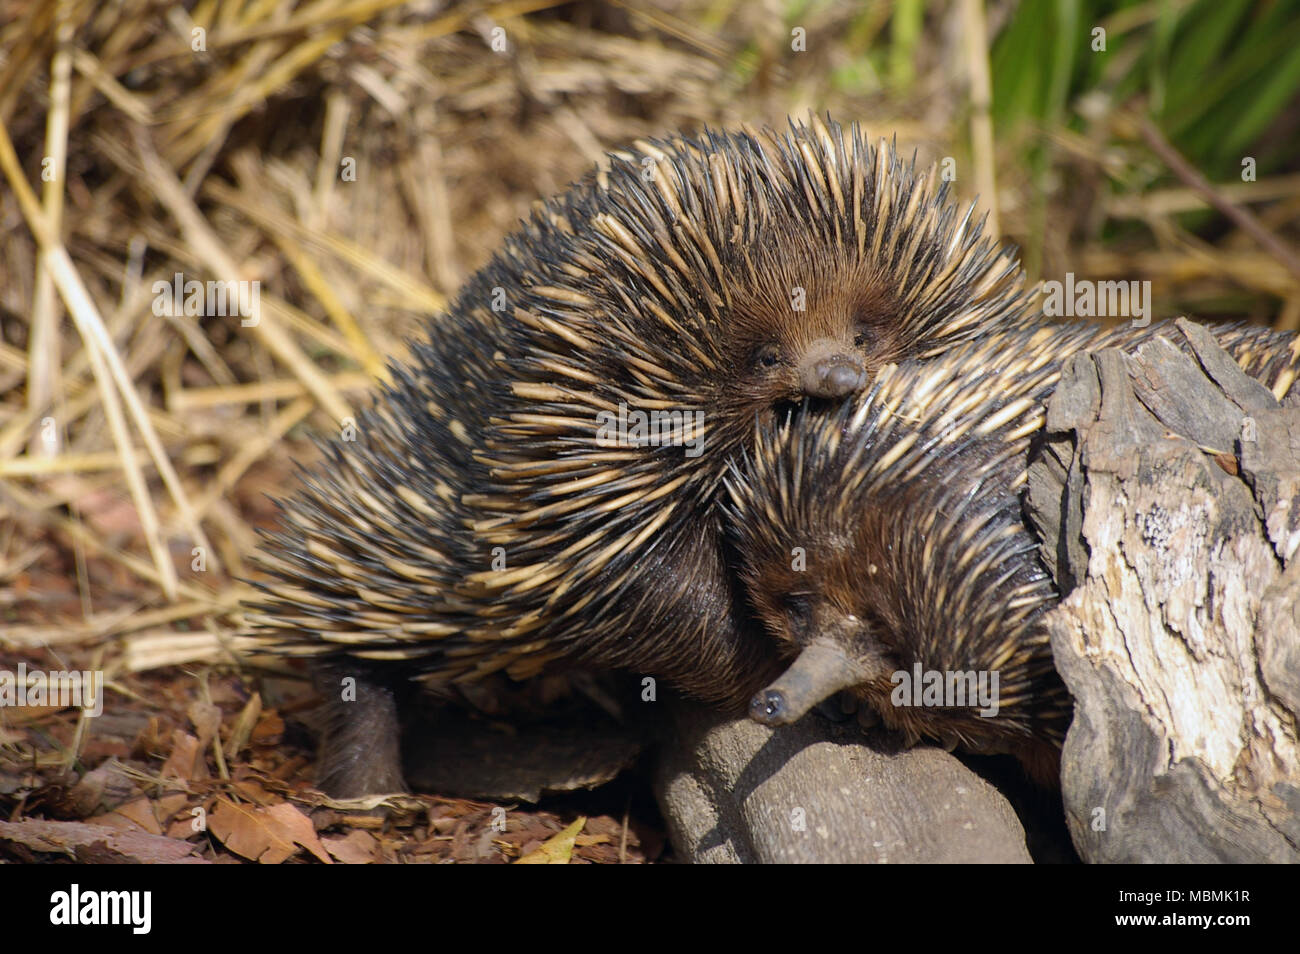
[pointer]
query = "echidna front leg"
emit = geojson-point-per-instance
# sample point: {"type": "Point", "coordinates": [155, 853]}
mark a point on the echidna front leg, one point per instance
{"type": "Point", "coordinates": [360, 751]}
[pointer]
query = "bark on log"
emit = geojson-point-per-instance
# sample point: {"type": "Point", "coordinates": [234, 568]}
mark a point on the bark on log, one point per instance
{"type": "Point", "coordinates": [1169, 496]}
{"type": "Point", "coordinates": [734, 791]}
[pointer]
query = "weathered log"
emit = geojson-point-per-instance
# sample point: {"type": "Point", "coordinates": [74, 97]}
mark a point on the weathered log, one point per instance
{"type": "Point", "coordinates": [735, 791]}
{"type": "Point", "coordinates": [1168, 496]}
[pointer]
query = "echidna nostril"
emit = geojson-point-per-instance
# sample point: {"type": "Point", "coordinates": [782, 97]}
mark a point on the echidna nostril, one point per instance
{"type": "Point", "coordinates": [768, 707]}
{"type": "Point", "coordinates": [827, 369]}
{"type": "Point", "coordinates": [841, 379]}
{"type": "Point", "coordinates": [834, 375]}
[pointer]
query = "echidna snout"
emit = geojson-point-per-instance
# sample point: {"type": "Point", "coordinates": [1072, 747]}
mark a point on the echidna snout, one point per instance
{"type": "Point", "coordinates": [850, 324]}
{"type": "Point", "coordinates": [827, 369]}
{"type": "Point", "coordinates": [769, 707]}
{"type": "Point", "coordinates": [823, 668]}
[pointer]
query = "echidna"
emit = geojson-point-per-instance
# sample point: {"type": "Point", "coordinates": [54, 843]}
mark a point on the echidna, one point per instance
{"type": "Point", "coordinates": [887, 542]}
{"type": "Point", "coordinates": [486, 519]}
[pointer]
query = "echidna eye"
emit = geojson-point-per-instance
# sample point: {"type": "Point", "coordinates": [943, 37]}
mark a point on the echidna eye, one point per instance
{"type": "Point", "coordinates": [860, 339]}
{"type": "Point", "coordinates": [798, 607]}
{"type": "Point", "coordinates": [767, 357]}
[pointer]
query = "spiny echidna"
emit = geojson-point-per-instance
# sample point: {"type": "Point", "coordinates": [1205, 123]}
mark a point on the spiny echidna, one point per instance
{"type": "Point", "coordinates": [740, 276]}
{"type": "Point", "coordinates": [491, 516]}
{"type": "Point", "coordinates": [914, 556]}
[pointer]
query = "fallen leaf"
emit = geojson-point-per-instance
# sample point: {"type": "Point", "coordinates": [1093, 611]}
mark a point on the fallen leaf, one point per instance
{"type": "Point", "coordinates": [1228, 463]}
{"type": "Point", "coordinates": [254, 791]}
{"type": "Point", "coordinates": [244, 725]}
{"type": "Point", "coordinates": [354, 848]}
{"type": "Point", "coordinates": [183, 826]}
{"type": "Point", "coordinates": [186, 760]}
{"type": "Point", "coordinates": [266, 835]}
{"type": "Point", "coordinates": [556, 850]}
{"type": "Point", "coordinates": [168, 805]}
{"type": "Point", "coordinates": [206, 719]}
{"type": "Point", "coordinates": [269, 729]}
{"type": "Point", "coordinates": [135, 815]}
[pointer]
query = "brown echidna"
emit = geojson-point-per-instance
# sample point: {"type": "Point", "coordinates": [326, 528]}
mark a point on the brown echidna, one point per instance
{"type": "Point", "coordinates": [482, 521]}
{"type": "Point", "coordinates": [913, 555]}
{"type": "Point", "coordinates": [727, 276]}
